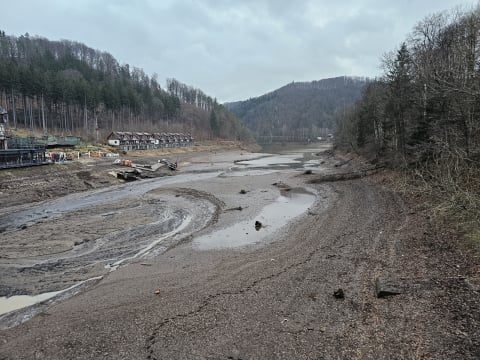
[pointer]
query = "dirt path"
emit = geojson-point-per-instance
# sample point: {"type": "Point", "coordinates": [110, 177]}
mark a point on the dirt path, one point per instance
{"type": "Point", "coordinates": [276, 301]}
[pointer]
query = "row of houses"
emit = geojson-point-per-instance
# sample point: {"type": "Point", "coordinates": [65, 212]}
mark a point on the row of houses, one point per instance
{"type": "Point", "coordinates": [126, 140]}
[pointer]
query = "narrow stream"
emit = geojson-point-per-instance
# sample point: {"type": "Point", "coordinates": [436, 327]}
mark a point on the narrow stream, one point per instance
{"type": "Point", "coordinates": [272, 217]}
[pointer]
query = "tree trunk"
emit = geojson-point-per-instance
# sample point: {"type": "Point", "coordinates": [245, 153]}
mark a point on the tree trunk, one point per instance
{"type": "Point", "coordinates": [25, 111]}
{"type": "Point", "coordinates": [14, 111]}
{"type": "Point", "coordinates": [30, 115]}
{"type": "Point", "coordinates": [44, 124]}
{"type": "Point", "coordinates": [85, 119]}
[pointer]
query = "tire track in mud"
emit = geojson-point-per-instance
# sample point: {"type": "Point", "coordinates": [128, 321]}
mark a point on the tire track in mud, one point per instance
{"type": "Point", "coordinates": [219, 204]}
{"type": "Point", "coordinates": [195, 195]}
{"type": "Point", "coordinates": [53, 273]}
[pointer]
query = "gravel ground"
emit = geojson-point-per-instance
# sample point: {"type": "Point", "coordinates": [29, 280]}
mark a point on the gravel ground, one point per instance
{"type": "Point", "coordinates": [273, 300]}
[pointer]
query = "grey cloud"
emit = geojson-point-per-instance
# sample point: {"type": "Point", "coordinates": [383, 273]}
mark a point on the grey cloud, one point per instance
{"type": "Point", "coordinates": [231, 49]}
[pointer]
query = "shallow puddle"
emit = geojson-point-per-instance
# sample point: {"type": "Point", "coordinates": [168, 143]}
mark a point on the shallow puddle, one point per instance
{"type": "Point", "coordinates": [16, 302]}
{"type": "Point", "coordinates": [272, 218]}
{"type": "Point", "coordinates": [17, 309]}
{"type": "Point", "coordinates": [20, 301]}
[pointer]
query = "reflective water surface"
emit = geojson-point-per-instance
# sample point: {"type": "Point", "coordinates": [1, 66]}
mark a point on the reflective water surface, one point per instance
{"type": "Point", "coordinates": [272, 217]}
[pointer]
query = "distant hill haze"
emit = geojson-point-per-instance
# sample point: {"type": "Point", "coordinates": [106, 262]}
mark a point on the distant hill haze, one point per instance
{"type": "Point", "coordinates": [298, 111]}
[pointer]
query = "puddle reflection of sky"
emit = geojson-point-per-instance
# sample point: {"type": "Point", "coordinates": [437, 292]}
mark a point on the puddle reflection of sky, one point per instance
{"type": "Point", "coordinates": [272, 217]}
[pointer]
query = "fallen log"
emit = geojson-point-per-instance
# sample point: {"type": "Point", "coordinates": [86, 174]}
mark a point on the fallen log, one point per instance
{"type": "Point", "coordinates": [345, 176]}
{"type": "Point", "coordinates": [388, 287]}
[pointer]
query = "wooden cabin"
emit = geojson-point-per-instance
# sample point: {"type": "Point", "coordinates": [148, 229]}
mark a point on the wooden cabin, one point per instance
{"type": "Point", "coordinates": [126, 140]}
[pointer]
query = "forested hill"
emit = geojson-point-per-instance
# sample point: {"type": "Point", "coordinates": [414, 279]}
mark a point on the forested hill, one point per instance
{"type": "Point", "coordinates": [299, 109]}
{"type": "Point", "coordinates": [423, 116]}
{"type": "Point", "coordinates": [65, 87]}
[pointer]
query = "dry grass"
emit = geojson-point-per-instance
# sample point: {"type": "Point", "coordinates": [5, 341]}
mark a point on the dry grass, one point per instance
{"type": "Point", "coordinates": [450, 193]}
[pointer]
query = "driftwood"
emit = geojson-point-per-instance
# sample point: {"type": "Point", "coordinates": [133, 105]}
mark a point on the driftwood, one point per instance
{"type": "Point", "coordinates": [239, 208]}
{"type": "Point", "coordinates": [345, 176]}
{"type": "Point", "coordinates": [341, 163]}
{"type": "Point", "coordinates": [387, 287]}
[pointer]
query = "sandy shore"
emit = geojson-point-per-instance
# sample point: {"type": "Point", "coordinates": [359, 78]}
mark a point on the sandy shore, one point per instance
{"type": "Point", "coordinates": [268, 300]}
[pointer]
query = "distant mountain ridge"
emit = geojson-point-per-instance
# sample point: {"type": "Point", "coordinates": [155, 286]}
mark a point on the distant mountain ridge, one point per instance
{"type": "Point", "coordinates": [299, 110]}
{"type": "Point", "coordinates": [325, 84]}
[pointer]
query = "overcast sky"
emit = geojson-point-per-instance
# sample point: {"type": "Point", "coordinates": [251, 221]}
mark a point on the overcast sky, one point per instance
{"type": "Point", "coordinates": [231, 49]}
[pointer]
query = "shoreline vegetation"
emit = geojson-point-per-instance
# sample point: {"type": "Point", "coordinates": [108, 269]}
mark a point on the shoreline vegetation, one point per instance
{"type": "Point", "coordinates": [422, 118]}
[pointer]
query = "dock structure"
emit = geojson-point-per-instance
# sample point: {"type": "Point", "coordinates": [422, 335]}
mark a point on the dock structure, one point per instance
{"type": "Point", "coordinates": [12, 158]}
{"type": "Point", "coordinates": [17, 152]}
{"type": "Point", "coordinates": [3, 128]}
{"type": "Point", "coordinates": [126, 140]}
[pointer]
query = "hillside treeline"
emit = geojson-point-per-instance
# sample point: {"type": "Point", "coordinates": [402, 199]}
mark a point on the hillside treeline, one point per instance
{"type": "Point", "coordinates": [298, 110]}
{"type": "Point", "coordinates": [190, 95]}
{"type": "Point", "coordinates": [66, 87]}
{"type": "Point", "coordinates": [424, 114]}
{"type": "Point", "coordinates": [215, 119]}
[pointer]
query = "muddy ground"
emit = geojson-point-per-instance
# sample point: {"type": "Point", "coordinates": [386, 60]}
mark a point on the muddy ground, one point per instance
{"type": "Point", "coordinates": [270, 300]}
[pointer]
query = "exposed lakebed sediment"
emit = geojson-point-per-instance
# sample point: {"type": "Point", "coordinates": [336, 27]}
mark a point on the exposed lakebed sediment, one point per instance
{"type": "Point", "coordinates": [65, 243]}
{"type": "Point", "coordinates": [54, 253]}
{"type": "Point", "coordinates": [275, 297]}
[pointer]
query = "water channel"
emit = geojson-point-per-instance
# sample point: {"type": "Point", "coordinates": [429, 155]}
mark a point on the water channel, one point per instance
{"type": "Point", "coordinates": [272, 217]}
